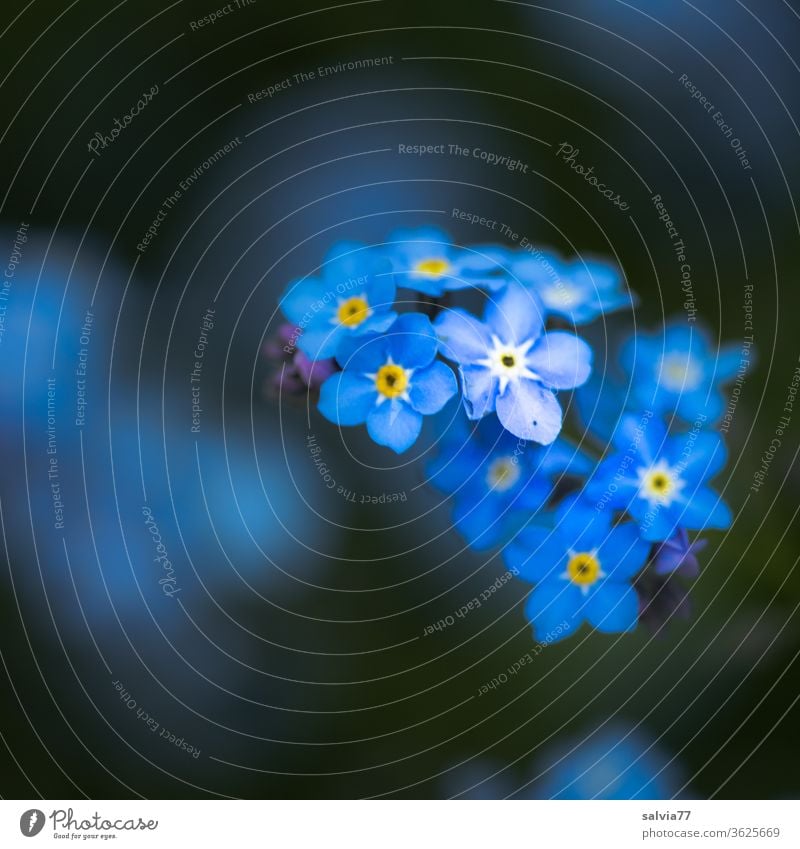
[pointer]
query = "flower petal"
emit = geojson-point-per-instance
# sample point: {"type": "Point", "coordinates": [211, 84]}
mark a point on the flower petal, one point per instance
{"type": "Point", "coordinates": [530, 411]}
{"type": "Point", "coordinates": [553, 610]}
{"type": "Point", "coordinates": [395, 425]}
{"type": "Point", "coordinates": [461, 336]}
{"type": "Point", "coordinates": [515, 316]}
{"type": "Point", "coordinates": [480, 390]}
{"type": "Point", "coordinates": [700, 455]}
{"type": "Point", "coordinates": [623, 552]}
{"type": "Point", "coordinates": [536, 554]}
{"type": "Point", "coordinates": [562, 360]}
{"type": "Point", "coordinates": [432, 388]}
{"type": "Point", "coordinates": [412, 341]}
{"type": "Point", "coordinates": [705, 509]}
{"type": "Point", "coordinates": [347, 398]}
{"type": "Point", "coordinates": [613, 607]}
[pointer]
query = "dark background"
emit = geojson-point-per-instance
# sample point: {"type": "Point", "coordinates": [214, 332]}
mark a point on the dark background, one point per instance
{"type": "Point", "coordinates": [296, 659]}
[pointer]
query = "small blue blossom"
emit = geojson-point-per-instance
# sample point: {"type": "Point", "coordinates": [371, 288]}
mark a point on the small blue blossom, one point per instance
{"type": "Point", "coordinates": [680, 370]}
{"type": "Point", "coordinates": [509, 365]}
{"type": "Point", "coordinates": [579, 291]}
{"type": "Point", "coordinates": [427, 261]}
{"type": "Point", "coordinates": [610, 762]}
{"type": "Point", "coordinates": [677, 554]}
{"type": "Point", "coordinates": [389, 381]}
{"type": "Point", "coordinates": [582, 568]}
{"type": "Point", "coordinates": [497, 481]}
{"type": "Point", "coordinates": [353, 296]}
{"type": "Point", "coordinates": [661, 480]}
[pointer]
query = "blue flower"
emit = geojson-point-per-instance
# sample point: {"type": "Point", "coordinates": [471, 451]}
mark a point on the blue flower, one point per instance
{"type": "Point", "coordinates": [582, 568]}
{"type": "Point", "coordinates": [427, 261]}
{"type": "Point", "coordinates": [389, 381]}
{"type": "Point", "coordinates": [610, 762]}
{"type": "Point", "coordinates": [680, 370]}
{"type": "Point", "coordinates": [354, 296]}
{"type": "Point", "coordinates": [661, 480]}
{"type": "Point", "coordinates": [497, 481]}
{"type": "Point", "coordinates": [579, 291]}
{"type": "Point", "coordinates": [510, 366]}
{"type": "Point", "coordinates": [678, 554]}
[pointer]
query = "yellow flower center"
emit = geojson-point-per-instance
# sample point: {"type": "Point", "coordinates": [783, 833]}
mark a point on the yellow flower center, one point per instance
{"type": "Point", "coordinates": [391, 380]}
{"type": "Point", "coordinates": [353, 311]}
{"type": "Point", "coordinates": [433, 266]}
{"type": "Point", "coordinates": [679, 372]}
{"type": "Point", "coordinates": [658, 484]}
{"type": "Point", "coordinates": [583, 568]}
{"type": "Point", "coordinates": [508, 360]}
{"type": "Point", "coordinates": [503, 474]}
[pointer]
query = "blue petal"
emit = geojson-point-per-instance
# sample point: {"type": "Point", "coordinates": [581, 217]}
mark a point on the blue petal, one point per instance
{"type": "Point", "coordinates": [346, 398]}
{"type": "Point", "coordinates": [613, 607]}
{"type": "Point", "coordinates": [536, 554]}
{"type": "Point", "coordinates": [515, 316]}
{"type": "Point", "coordinates": [412, 341]}
{"type": "Point", "coordinates": [529, 411]}
{"type": "Point", "coordinates": [395, 425]}
{"type": "Point", "coordinates": [364, 354]}
{"type": "Point", "coordinates": [700, 455]}
{"type": "Point", "coordinates": [480, 390]}
{"type": "Point", "coordinates": [705, 509]}
{"type": "Point", "coordinates": [562, 360]}
{"type": "Point", "coordinates": [320, 341]}
{"type": "Point", "coordinates": [623, 552]}
{"type": "Point", "coordinates": [640, 436]}
{"type": "Point", "coordinates": [481, 521]}
{"type": "Point", "coordinates": [553, 608]}
{"type": "Point", "coordinates": [580, 525]}
{"type": "Point", "coordinates": [301, 296]}
{"type": "Point", "coordinates": [378, 322]}
{"type": "Point", "coordinates": [432, 388]}
{"type": "Point", "coordinates": [461, 336]}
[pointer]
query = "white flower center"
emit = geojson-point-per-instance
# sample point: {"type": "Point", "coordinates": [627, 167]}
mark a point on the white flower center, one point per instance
{"type": "Point", "coordinates": [503, 473]}
{"type": "Point", "coordinates": [508, 362]}
{"type": "Point", "coordinates": [679, 372]}
{"type": "Point", "coordinates": [560, 296]}
{"type": "Point", "coordinates": [659, 484]}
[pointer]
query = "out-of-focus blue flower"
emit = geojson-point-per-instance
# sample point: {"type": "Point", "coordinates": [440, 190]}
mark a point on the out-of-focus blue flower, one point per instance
{"type": "Point", "coordinates": [510, 366]}
{"type": "Point", "coordinates": [582, 568]}
{"type": "Point", "coordinates": [579, 291]}
{"type": "Point", "coordinates": [389, 381]}
{"type": "Point", "coordinates": [497, 481]}
{"type": "Point", "coordinates": [662, 480]}
{"type": "Point", "coordinates": [679, 370]}
{"type": "Point", "coordinates": [678, 554]}
{"type": "Point", "coordinates": [426, 260]}
{"type": "Point", "coordinates": [610, 763]}
{"type": "Point", "coordinates": [353, 296]}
